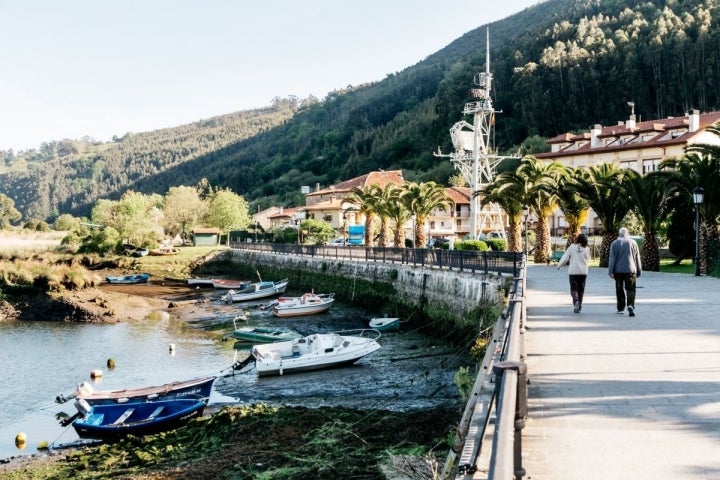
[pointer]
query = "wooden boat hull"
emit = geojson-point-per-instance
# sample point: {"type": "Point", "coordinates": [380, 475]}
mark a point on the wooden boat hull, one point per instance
{"type": "Point", "coordinates": [196, 388]}
{"type": "Point", "coordinates": [109, 422]}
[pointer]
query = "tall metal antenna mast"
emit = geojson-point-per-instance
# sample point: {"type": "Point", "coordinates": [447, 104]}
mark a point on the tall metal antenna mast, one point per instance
{"type": "Point", "coordinates": [473, 155]}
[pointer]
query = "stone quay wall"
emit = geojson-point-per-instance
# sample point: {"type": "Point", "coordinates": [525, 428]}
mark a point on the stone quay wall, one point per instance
{"type": "Point", "coordinates": [459, 291]}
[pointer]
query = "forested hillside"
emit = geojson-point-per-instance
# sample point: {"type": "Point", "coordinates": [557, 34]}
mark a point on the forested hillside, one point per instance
{"type": "Point", "coordinates": [559, 66]}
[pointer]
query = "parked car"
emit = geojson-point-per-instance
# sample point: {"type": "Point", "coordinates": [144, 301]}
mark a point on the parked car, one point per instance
{"type": "Point", "coordinates": [438, 243]}
{"type": "Point", "coordinates": [338, 242]}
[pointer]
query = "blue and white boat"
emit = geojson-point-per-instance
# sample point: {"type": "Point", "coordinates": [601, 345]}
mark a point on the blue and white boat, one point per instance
{"type": "Point", "coordinates": [125, 279]}
{"type": "Point", "coordinates": [114, 421]}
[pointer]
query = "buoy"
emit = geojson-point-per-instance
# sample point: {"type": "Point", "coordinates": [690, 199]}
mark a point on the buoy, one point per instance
{"type": "Point", "coordinates": [111, 363]}
{"type": "Point", "coordinates": [21, 440]}
{"type": "Point", "coordinates": [96, 373]}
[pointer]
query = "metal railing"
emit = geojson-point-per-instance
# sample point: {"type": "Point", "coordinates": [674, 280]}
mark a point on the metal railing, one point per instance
{"type": "Point", "coordinates": [507, 401]}
{"type": "Point", "coordinates": [459, 260]}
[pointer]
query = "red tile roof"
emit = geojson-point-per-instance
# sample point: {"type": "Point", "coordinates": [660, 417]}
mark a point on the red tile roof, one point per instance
{"type": "Point", "coordinates": [380, 178]}
{"type": "Point", "coordinates": [580, 143]}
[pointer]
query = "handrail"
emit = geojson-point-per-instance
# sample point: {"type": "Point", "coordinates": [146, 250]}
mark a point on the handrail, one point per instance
{"type": "Point", "coordinates": [508, 398]}
{"type": "Point", "coordinates": [459, 260]}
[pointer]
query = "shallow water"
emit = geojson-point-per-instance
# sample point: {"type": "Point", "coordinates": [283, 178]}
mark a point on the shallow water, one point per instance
{"type": "Point", "coordinates": [42, 359]}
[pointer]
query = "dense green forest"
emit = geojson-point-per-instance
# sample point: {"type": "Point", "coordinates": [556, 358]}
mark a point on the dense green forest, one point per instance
{"type": "Point", "coordinates": [559, 66]}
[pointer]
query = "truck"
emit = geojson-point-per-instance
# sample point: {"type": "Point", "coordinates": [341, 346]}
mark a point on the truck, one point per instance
{"type": "Point", "coordinates": [356, 235]}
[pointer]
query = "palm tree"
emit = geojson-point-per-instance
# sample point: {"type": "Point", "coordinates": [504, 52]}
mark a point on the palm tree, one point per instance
{"type": "Point", "coordinates": [648, 197]}
{"type": "Point", "coordinates": [420, 199]}
{"type": "Point", "coordinates": [507, 190]}
{"type": "Point", "coordinates": [541, 184]}
{"type": "Point", "coordinates": [365, 198]}
{"type": "Point", "coordinates": [602, 187]}
{"type": "Point", "coordinates": [385, 199]}
{"type": "Point", "coordinates": [396, 212]}
{"type": "Point", "coordinates": [700, 167]}
{"type": "Point", "coordinates": [574, 207]}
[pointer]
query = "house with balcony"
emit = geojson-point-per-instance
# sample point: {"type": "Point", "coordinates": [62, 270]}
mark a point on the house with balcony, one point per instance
{"type": "Point", "coordinates": [330, 205]}
{"type": "Point", "coordinates": [638, 145]}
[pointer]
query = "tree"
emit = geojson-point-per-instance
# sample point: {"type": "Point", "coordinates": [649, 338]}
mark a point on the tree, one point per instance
{"type": "Point", "coordinates": [602, 187]}
{"type": "Point", "coordinates": [508, 190]}
{"type": "Point", "coordinates": [574, 207]}
{"type": "Point", "coordinates": [366, 199]}
{"type": "Point", "coordinates": [66, 223]}
{"type": "Point", "coordinates": [8, 213]}
{"type": "Point", "coordinates": [397, 212]}
{"type": "Point", "coordinates": [387, 199]}
{"type": "Point", "coordinates": [541, 184]}
{"type": "Point", "coordinates": [228, 211]}
{"type": "Point", "coordinates": [135, 217]}
{"type": "Point", "coordinates": [700, 167]}
{"type": "Point", "coordinates": [648, 197]}
{"type": "Point", "coordinates": [421, 199]}
{"type": "Point", "coordinates": [316, 231]}
{"type": "Point", "coordinates": [183, 209]}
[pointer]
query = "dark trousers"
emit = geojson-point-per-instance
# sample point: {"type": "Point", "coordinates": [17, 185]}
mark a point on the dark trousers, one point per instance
{"type": "Point", "coordinates": [577, 288]}
{"type": "Point", "coordinates": [625, 290]}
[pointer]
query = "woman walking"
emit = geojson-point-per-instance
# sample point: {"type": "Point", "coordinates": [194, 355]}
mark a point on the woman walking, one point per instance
{"type": "Point", "coordinates": [576, 257]}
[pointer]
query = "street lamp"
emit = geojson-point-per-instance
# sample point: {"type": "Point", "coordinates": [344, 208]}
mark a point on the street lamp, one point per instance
{"type": "Point", "coordinates": [697, 194]}
{"type": "Point", "coordinates": [526, 213]}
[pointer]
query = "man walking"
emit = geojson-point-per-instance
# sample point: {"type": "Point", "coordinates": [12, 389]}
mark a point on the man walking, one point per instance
{"type": "Point", "coordinates": [624, 267]}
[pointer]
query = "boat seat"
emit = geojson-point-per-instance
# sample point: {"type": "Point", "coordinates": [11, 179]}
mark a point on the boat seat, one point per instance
{"type": "Point", "coordinates": [156, 412]}
{"type": "Point", "coordinates": [126, 414]}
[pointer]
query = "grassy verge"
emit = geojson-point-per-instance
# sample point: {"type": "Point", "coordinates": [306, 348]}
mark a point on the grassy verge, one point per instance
{"type": "Point", "coordinates": [259, 442]}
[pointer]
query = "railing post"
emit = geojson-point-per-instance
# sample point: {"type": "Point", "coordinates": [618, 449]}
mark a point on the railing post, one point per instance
{"type": "Point", "coordinates": [521, 408]}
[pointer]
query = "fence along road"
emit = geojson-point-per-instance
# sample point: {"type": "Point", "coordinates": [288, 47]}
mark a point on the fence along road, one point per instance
{"type": "Point", "coordinates": [614, 397]}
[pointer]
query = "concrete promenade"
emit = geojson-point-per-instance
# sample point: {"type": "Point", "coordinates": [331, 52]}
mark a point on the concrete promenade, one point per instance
{"type": "Point", "coordinates": [616, 398]}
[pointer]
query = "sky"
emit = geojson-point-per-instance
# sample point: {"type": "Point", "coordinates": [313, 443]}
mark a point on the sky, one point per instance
{"type": "Point", "coordinates": [99, 68]}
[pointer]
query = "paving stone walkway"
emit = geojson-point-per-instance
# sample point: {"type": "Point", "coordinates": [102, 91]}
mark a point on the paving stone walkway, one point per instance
{"type": "Point", "coordinates": [613, 397]}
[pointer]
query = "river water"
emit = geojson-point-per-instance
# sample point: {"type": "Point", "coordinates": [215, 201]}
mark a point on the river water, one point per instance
{"type": "Point", "coordinates": [40, 360]}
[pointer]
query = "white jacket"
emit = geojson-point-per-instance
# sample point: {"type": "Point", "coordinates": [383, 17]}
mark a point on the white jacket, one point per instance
{"type": "Point", "coordinates": [576, 258]}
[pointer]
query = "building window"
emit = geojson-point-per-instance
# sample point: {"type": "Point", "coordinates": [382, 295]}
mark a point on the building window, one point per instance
{"type": "Point", "coordinates": [650, 165]}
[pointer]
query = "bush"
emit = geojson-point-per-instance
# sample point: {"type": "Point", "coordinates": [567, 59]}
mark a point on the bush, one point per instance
{"type": "Point", "coordinates": [496, 244]}
{"type": "Point", "coordinates": [474, 245]}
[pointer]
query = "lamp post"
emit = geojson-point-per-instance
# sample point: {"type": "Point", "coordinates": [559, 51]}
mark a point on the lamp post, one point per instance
{"type": "Point", "coordinates": [697, 194]}
{"type": "Point", "coordinates": [526, 213]}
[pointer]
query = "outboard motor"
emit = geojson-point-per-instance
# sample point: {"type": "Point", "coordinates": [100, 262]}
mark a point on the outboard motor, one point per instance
{"type": "Point", "coordinates": [82, 406]}
{"type": "Point", "coordinates": [84, 389]}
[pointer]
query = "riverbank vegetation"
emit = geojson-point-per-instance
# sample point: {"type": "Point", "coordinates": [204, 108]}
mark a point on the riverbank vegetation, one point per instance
{"type": "Point", "coordinates": [259, 442]}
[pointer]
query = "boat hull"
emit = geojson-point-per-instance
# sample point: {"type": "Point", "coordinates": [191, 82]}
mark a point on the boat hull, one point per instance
{"type": "Point", "coordinates": [128, 279]}
{"type": "Point", "coordinates": [308, 304]}
{"type": "Point", "coordinates": [109, 422]}
{"type": "Point", "coordinates": [197, 388]}
{"type": "Point", "coordinates": [385, 324]}
{"type": "Point", "coordinates": [256, 291]}
{"type": "Point", "coordinates": [264, 334]}
{"type": "Point", "coordinates": [314, 352]}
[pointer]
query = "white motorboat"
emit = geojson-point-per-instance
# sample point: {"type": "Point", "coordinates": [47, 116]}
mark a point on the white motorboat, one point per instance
{"type": "Point", "coordinates": [307, 304]}
{"type": "Point", "coordinates": [313, 352]}
{"type": "Point", "coordinates": [255, 291]}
